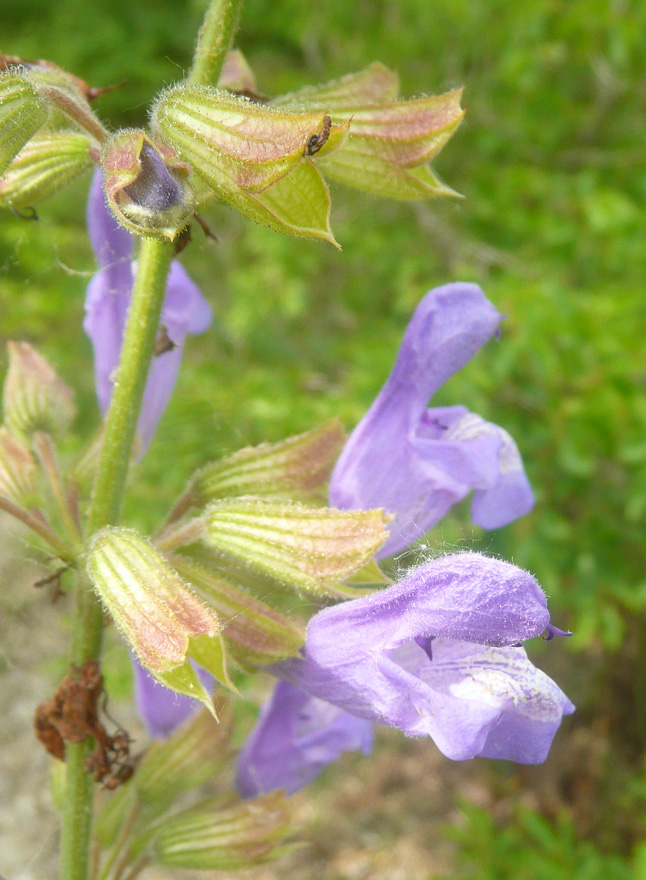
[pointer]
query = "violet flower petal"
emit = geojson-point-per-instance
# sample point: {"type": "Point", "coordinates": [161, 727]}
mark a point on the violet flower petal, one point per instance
{"type": "Point", "coordinates": [416, 462]}
{"type": "Point", "coordinates": [112, 244]}
{"type": "Point", "coordinates": [185, 311]}
{"type": "Point", "coordinates": [372, 657]}
{"type": "Point", "coordinates": [295, 737]}
{"type": "Point", "coordinates": [465, 596]}
{"type": "Point", "coordinates": [474, 700]}
{"type": "Point", "coordinates": [161, 709]}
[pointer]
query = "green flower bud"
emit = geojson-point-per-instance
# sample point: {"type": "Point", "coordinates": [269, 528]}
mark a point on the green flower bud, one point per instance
{"type": "Point", "coordinates": [18, 472]}
{"type": "Point", "coordinates": [146, 185]}
{"type": "Point", "coordinates": [260, 543]}
{"type": "Point", "coordinates": [204, 837]}
{"type": "Point", "coordinates": [252, 156]}
{"type": "Point", "coordinates": [296, 469]}
{"type": "Point", "coordinates": [156, 611]}
{"type": "Point", "coordinates": [66, 96]}
{"type": "Point", "coordinates": [22, 113]}
{"type": "Point", "coordinates": [34, 397]}
{"type": "Point", "coordinates": [46, 163]}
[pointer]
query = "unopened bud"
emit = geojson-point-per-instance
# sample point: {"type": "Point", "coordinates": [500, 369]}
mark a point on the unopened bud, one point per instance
{"type": "Point", "coordinates": [22, 113]}
{"type": "Point", "coordinates": [46, 163]}
{"type": "Point", "coordinates": [204, 837]}
{"type": "Point", "coordinates": [305, 548]}
{"type": "Point", "coordinates": [146, 185]}
{"type": "Point", "coordinates": [34, 397]}
{"type": "Point", "coordinates": [237, 76]}
{"type": "Point", "coordinates": [155, 610]}
{"type": "Point", "coordinates": [295, 469]}
{"type": "Point", "coordinates": [65, 95]}
{"type": "Point", "coordinates": [17, 470]}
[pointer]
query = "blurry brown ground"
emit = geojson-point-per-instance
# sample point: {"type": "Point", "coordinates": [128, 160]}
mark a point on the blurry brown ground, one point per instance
{"type": "Point", "coordinates": [382, 818]}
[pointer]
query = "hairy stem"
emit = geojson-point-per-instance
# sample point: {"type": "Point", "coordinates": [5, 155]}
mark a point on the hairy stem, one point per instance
{"type": "Point", "coordinates": [214, 41]}
{"type": "Point", "coordinates": [77, 110]}
{"type": "Point", "coordinates": [45, 451]}
{"type": "Point", "coordinates": [39, 524]}
{"type": "Point", "coordinates": [109, 486]}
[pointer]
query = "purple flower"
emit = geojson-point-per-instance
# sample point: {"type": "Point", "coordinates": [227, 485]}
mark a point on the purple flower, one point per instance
{"type": "Point", "coordinates": [438, 655]}
{"type": "Point", "coordinates": [416, 462]}
{"type": "Point", "coordinates": [161, 709]}
{"type": "Point", "coordinates": [106, 305]}
{"type": "Point", "coordinates": [295, 737]}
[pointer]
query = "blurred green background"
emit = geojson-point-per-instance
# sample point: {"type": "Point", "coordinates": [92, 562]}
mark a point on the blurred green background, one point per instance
{"type": "Point", "coordinates": [550, 160]}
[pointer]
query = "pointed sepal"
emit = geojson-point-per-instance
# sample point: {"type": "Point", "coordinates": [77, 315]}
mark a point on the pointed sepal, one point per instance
{"type": "Point", "coordinates": [156, 611]}
{"type": "Point", "coordinates": [34, 397]}
{"type": "Point", "coordinates": [374, 84]}
{"type": "Point", "coordinates": [22, 113]}
{"type": "Point", "coordinates": [297, 205]}
{"type": "Point", "coordinates": [146, 185]}
{"type": "Point", "coordinates": [303, 548]}
{"type": "Point", "coordinates": [239, 836]}
{"type": "Point", "coordinates": [252, 156]}
{"type": "Point", "coordinates": [254, 632]}
{"type": "Point", "coordinates": [390, 141]}
{"type": "Point", "coordinates": [294, 469]}
{"type": "Point", "coordinates": [44, 165]}
{"type": "Point", "coordinates": [18, 471]}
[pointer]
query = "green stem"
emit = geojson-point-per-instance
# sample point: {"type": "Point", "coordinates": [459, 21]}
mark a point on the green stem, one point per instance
{"type": "Point", "coordinates": [109, 486]}
{"type": "Point", "coordinates": [214, 41]}
{"type": "Point", "coordinates": [138, 344]}
{"type": "Point", "coordinates": [45, 451]}
{"type": "Point", "coordinates": [37, 523]}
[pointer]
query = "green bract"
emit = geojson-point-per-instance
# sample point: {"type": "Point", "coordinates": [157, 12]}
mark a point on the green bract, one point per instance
{"type": "Point", "coordinates": [390, 141]}
{"type": "Point", "coordinates": [47, 162]}
{"type": "Point", "coordinates": [155, 610]}
{"type": "Point", "coordinates": [252, 156]}
{"type": "Point", "coordinates": [34, 397]}
{"type": "Point", "coordinates": [22, 113]}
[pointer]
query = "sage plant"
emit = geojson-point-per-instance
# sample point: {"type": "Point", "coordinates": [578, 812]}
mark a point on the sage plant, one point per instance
{"type": "Point", "coordinates": [200, 603]}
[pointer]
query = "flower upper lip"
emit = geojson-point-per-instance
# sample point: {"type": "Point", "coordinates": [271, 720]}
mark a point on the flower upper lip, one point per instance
{"type": "Point", "coordinates": [416, 462]}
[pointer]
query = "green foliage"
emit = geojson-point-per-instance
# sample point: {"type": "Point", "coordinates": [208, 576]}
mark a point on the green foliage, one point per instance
{"type": "Point", "coordinates": [531, 848]}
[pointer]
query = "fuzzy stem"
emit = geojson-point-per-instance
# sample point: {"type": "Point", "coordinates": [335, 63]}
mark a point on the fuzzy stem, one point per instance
{"type": "Point", "coordinates": [37, 523]}
{"type": "Point", "coordinates": [214, 41]}
{"type": "Point", "coordinates": [78, 111]}
{"type": "Point", "coordinates": [121, 420]}
{"type": "Point", "coordinates": [45, 451]}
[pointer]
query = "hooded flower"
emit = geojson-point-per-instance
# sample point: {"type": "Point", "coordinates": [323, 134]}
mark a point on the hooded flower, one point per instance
{"type": "Point", "coordinates": [416, 462]}
{"type": "Point", "coordinates": [106, 306]}
{"type": "Point", "coordinates": [438, 655]}
{"type": "Point", "coordinates": [295, 737]}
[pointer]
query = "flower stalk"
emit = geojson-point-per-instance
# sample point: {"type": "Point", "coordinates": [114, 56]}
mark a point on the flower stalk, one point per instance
{"type": "Point", "coordinates": [214, 41]}
{"type": "Point", "coordinates": [120, 425]}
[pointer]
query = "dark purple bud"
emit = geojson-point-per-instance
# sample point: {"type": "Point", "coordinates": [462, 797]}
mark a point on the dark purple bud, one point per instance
{"type": "Point", "coordinates": [146, 185]}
